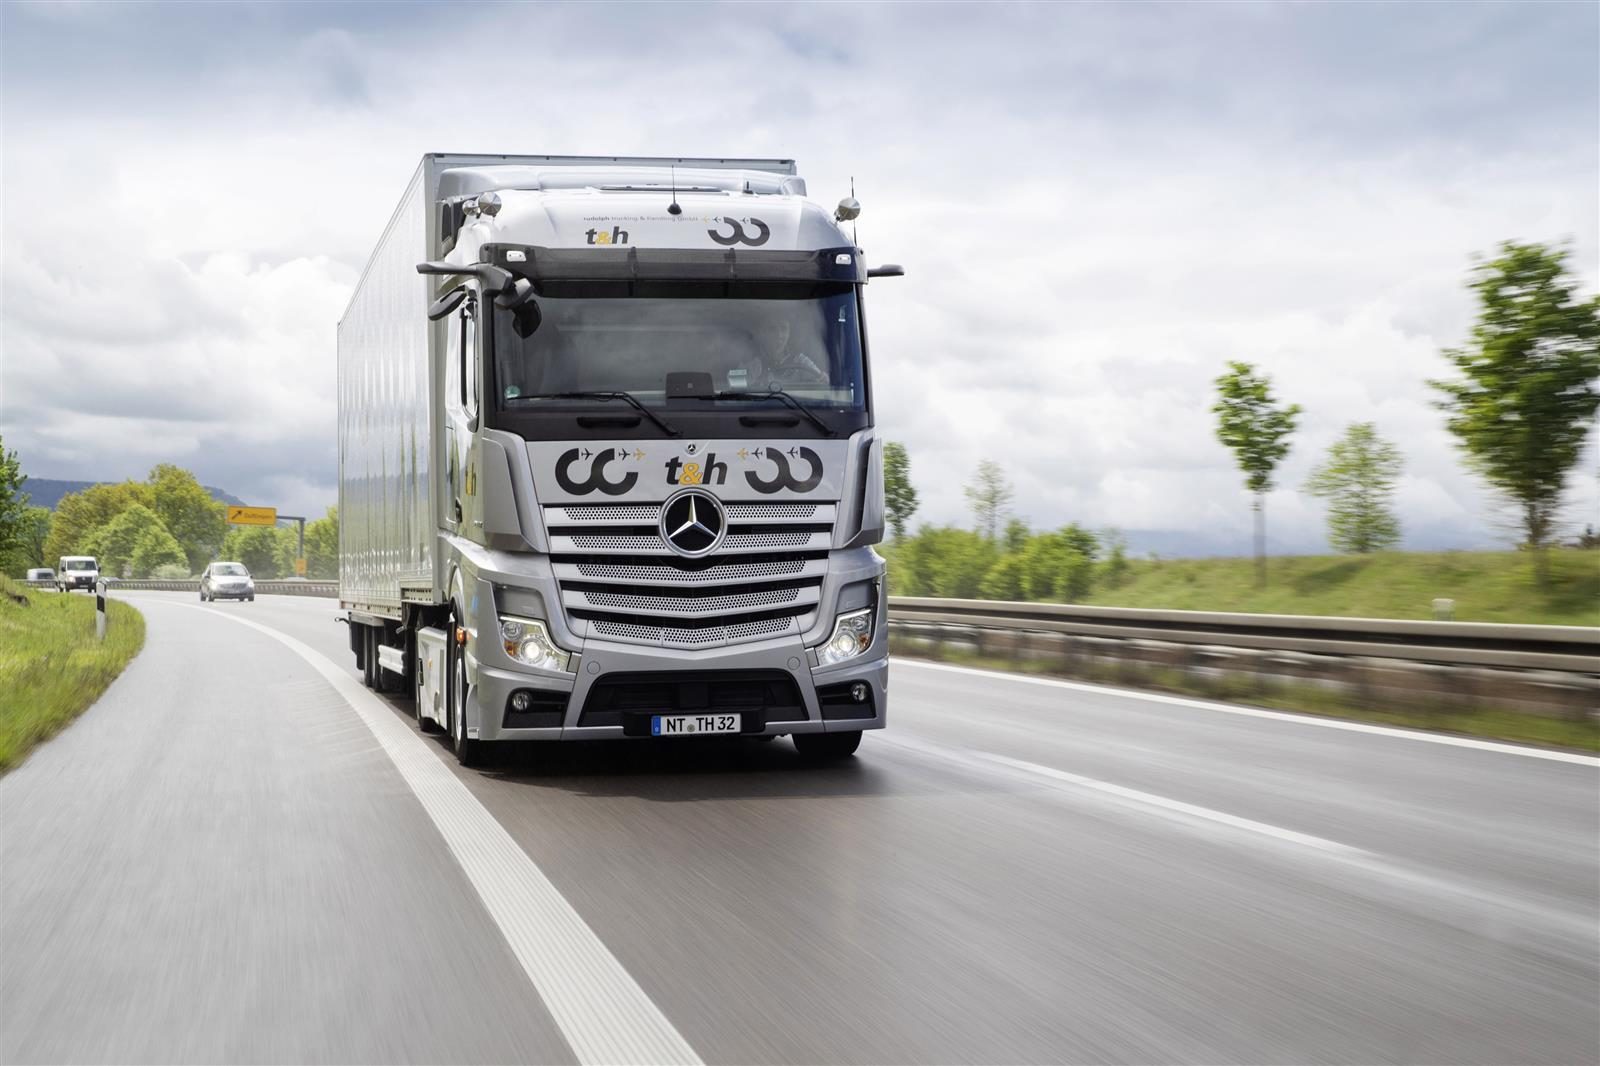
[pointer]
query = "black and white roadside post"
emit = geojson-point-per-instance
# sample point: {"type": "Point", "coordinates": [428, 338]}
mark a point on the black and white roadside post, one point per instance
{"type": "Point", "coordinates": [100, 587]}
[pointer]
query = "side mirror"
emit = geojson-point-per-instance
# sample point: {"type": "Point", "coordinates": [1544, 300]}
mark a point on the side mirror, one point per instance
{"type": "Point", "coordinates": [525, 319]}
{"type": "Point", "coordinates": [446, 304]}
{"type": "Point", "coordinates": [888, 270]}
{"type": "Point", "coordinates": [525, 313]}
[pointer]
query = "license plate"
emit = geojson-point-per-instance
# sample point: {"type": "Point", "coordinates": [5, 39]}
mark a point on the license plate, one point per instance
{"type": "Point", "coordinates": [683, 725]}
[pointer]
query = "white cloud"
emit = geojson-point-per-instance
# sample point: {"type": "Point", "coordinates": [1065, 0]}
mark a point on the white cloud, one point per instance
{"type": "Point", "coordinates": [1097, 208]}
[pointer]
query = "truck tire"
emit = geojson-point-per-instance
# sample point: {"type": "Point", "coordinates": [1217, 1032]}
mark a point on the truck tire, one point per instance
{"type": "Point", "coordinates": [469, 752]}
{"type": "Point", "coordinates": [826, 747]}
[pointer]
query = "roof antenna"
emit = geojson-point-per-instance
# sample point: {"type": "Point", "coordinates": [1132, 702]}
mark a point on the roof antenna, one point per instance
{"type": "Point", "coordinates": [673, 208]}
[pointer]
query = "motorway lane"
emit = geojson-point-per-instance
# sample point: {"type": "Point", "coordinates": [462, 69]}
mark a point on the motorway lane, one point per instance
{"type": "Point", "coordinates": [940, 898]}
{"type": "Point", "coordinates": [217, 864]}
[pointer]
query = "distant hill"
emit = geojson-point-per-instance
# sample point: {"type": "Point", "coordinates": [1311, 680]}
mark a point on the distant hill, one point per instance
{"type": "Point", "coordinates": [47, 492]}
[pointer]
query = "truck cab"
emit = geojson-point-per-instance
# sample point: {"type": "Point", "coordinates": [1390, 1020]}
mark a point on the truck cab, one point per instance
{"type": "Point", "coordinates": [656, 480]}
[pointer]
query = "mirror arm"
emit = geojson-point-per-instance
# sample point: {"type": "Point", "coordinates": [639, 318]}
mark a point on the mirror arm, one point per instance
{"type": "Point", "coordinates": [888, 270]}
{"type": "Point", "coordinates": [493, 279]}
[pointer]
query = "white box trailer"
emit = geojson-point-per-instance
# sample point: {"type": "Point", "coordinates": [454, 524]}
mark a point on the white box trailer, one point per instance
{"type": "Point", "coordinates": [607, 458]}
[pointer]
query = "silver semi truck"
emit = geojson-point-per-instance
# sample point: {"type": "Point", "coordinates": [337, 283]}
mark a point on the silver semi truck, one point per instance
{"type": "Point", "coordinates": [607, 459]}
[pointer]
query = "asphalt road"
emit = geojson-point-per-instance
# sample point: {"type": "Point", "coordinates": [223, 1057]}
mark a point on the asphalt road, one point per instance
{"type": "Point", "coordinates": [238, 855]}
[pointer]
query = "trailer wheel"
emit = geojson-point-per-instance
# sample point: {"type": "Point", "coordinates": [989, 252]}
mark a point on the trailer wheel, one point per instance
{"type": "Point", "coordinates": [825, 747]}
{"type": "Point", "coordinates": [469, 752]}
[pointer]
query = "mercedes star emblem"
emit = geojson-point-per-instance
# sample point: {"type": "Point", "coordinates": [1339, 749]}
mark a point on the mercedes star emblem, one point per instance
{"type": "Point", "coordinates": [693, 522]}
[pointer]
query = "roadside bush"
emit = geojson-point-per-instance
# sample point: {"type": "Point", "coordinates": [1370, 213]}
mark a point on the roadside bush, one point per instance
{"type": "Point", "coordinates": [944, 561]}
{"type": "Point", "coordinates": [1054, 568]}
{"type": "Point", "coordinates": [1004, 579]}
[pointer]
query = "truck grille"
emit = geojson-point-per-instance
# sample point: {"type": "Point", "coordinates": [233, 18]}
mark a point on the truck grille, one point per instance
{"type": "Point", "coordinates": [619, 580]}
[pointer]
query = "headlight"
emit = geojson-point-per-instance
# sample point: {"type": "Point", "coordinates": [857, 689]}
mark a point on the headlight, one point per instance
{"type": "Point", "coordinates": [528, 642]}
{"type": "Point", "coordinates": [852, 635]}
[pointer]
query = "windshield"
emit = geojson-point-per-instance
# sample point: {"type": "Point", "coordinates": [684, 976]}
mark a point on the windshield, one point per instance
{"type": "Point", "coordinates": [78, 564]}
{"type": "Point", "coordinates": [229, 570]}
{"type": "Point", "coordinates": [610, 336]}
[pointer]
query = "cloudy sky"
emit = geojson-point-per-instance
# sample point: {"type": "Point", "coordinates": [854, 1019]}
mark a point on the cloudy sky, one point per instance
{"type": "Point", "coordinates": [1098, 205]}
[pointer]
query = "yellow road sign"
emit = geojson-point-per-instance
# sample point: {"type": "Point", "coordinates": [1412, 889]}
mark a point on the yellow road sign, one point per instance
{"type": "Point", "coordinates": [300, 567]}
{"type": "Point", "coordinates": [253, 516]}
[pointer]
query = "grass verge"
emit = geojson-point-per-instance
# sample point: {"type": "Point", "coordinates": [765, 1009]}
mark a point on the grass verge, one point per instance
{"type": "Point", "coordinates": [1485, 586]}
{"type": "Point", "coordinates": [51, 666]}
{"type": "Point", "coordinates": [1490, 723]}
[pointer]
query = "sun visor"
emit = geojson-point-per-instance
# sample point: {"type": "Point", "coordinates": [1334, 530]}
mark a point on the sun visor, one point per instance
{"type": "Point", "coordinates": [676, 264]}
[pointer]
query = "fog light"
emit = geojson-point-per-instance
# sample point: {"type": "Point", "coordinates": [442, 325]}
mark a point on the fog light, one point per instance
{"type": "Point", "coordinates": [528, 642]}
{"type": "Point", "coordinates": [852, 635]}
{"type": "Point", "coordinates": [858, 692]}
{"type": "Point", "coordinates": [520, 701]}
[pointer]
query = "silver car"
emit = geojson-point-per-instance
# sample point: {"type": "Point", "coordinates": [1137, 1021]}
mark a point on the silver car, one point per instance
{"type": "Point", "coordinates": [227, 581]}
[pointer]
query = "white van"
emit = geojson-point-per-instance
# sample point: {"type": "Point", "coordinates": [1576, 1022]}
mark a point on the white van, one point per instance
{"type": "Point", "coordinates": [77, 572]}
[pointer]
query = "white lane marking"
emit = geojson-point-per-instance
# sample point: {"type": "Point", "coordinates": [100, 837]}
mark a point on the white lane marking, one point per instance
{"type": "Point", "coordinates": [1280, 716]}
{"type": "Point", "coordinates": [603, 1014]}
{"type": "Point", "coordinates": [1148, 799]}
{"type": "Point", "coordinates": [1378, 879]}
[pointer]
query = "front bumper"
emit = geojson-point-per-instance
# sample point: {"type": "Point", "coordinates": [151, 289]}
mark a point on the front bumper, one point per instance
{"type": "Point", "coordinates": [231, 594]}
{"type": "Point", "coordinates": [493, 688]}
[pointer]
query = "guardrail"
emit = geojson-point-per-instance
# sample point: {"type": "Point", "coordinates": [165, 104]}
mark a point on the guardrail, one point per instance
{"type": "Point", "coordinates": [1567, 649]}
{"type": "Point", "coordinates": [265, 588]}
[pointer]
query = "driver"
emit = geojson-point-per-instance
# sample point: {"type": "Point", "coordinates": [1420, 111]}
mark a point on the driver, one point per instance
{"type": "Point", "coordinates": [788, 368]}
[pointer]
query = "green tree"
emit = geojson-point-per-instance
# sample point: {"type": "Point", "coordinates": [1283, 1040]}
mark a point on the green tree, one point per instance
{"type": "Point", "coordinates": [322, 546]}
{"type": "Point", "coordinates": [1116, 566]}
{"type": "Point", "coordinates": [28, 549]}
{"type": "Point", "coordinates": [1015, 537]}
{"type": "Point", "coordinates": [115, 543]}
{"type": "Point", "coordinates": [1357, 479]}
{"type": "Point", "coordinates": [79, 514]}
{"type": "Point", "coordinates": [1526, 396]}
{"type": "Point", "coordinates": [1257, 431]}
{"type": "Point", "coordinates": [1081, 540]}
{"type": "Point", "coordinates": [266, 551]}
{"type": "Point", "coordinates": [13, 502]}
{"type": "Point", "coordinates": [196, 521]}
{"type": "Point", "coordinates": [945, 561]}
{"type": "Point", "coordinates": [899, 496]}
{"type": "Point", "coordinates": [989, 496]}
{"type": "Point", "coordinates": [157, 548]}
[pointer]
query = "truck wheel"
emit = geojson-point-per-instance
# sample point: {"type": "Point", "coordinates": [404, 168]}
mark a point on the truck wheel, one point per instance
{"type": "Point", "coordinates": [825, 747]}
{"type": "Point", "coordinates": [469, 752]}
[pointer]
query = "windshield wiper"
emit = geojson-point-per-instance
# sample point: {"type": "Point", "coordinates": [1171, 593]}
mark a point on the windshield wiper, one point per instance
{"type": "Point", "coordinates": [790, 401]}
{"type": "Point", "coordinates": [626, 397]}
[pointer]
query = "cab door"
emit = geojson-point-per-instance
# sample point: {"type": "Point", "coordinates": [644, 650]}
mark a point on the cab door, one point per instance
{"type": "Point", "coordinates": [463, 390]}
